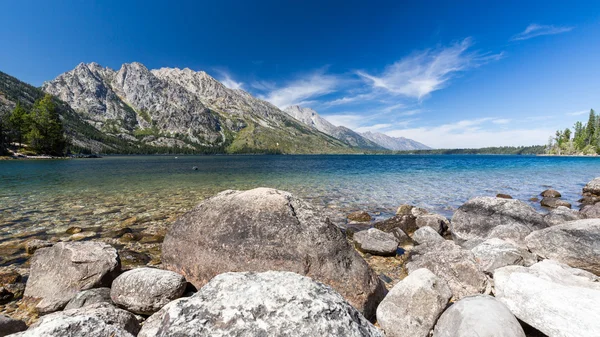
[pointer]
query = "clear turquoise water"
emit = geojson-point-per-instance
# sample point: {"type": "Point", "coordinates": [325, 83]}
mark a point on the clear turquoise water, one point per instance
{"type": "Point", "coordinates": [44, 197]}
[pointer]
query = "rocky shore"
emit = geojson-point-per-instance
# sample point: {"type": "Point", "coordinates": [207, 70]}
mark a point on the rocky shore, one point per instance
{"type": "Point", "coordinates": [263, 262]}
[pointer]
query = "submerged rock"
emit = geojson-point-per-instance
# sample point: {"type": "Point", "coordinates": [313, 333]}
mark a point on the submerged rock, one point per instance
{"type": "Point", "coordinates": [376, 242]}
{"type": "Point", "coordinates": [89, 297]}
{"type": "Point", "coordinates": [144, 291]}
{"type": "Point", "coordinates": [266, 229]}
{"type": "Point", "coordinates": [58, 273]}
{"type": "Point", "coordinates": [551, 297]}
{"type": "Point", "coordinates": [481, 316]}
{"type": "Point", "coordinates": [575, 243]}
{"type": "Point", "coordinates": [413, 305]}
{"type": "Point", "coordinates": [561, 215]}
{"type": "Point", "coordinates": [360, 216]}
{"type": "Point", "coordinates": [503, 196]}
{"type": "Point", "coordinates": [260, 304]}
{"type": "Point", "coordinates": [11, 286]}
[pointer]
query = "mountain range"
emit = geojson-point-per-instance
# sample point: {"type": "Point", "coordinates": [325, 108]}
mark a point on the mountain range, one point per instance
{"type": "Point", "coordinates": [137, 110]}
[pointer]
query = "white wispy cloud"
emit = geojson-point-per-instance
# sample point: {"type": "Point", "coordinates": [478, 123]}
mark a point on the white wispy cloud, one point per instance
{"type": "Point", "coordinates": [228, 81]}
{"type": "Point", "coordinates": [534, 30]}
{"type": "Point", "coordinates": [375, 127]}
{"type": "Point", "coordinates": [424, 72]}
{"type": "Point", "coordinates": [578, 113]}
{"type": "Point", "coordinates": [351, 99]}
{"type": "Point", "coordinates": [263, 85]}
{"type": "Point", "coordinates": [349, 120]}
{"type": "Point", "coordinates": [501, 121]}
{"type": "Point", "coordinates": [302, 90]}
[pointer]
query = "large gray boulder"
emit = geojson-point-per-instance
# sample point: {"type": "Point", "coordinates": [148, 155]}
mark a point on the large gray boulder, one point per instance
{"type": "Point", "coordinates": [576, 243]}
{"type": "Point", "coordinates": [89, 297]}
{"type": "Point", "coordinates": [480, 316]}
{"type": "Point", "coordinates": [554, 298]}
{"type": "Point", "coordinates": [427, 234]}
{"type": "Point", "coordinates": [439, 223]}
{"type": "Point", "coordinates": [144, 291]}
{"type": "Point", "coordinates": [592, 188]}
{"type": "Point", "coordinates": [561, 215]}
{"type": "Point", "coordinates": [591, 211]}
{"type": "Point", "coordinates": [484, 218]}
{"type": "Point", "coordinates": [9, 325]}
{"type": "Point", "coordinates": [260, 304]}
{"type": "Point", "coordinates": [96, 320]}
{"type": "Point", "coordinates": [376, 242]}
{"type": "Point", "coordinates": [266, 229]}
{"type": "Point", "coordinates": [497, 253]}
{"type": "Point", "coordinates": [59, 272]}
{"type": "Point", "coordinates": [412, 307]}
{"type": "Point", "coordinates": [457, 266]}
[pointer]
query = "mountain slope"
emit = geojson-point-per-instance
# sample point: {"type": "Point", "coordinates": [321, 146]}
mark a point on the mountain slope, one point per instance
{"type": "Point", "coordinates": [182, 108]}
{"type": "Point", "coordinates": [394, 143]}
{"type": "Point", "coordinates": [311, 118]}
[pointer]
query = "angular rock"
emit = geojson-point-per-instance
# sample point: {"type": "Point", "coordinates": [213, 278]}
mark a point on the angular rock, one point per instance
{"type": "Point", "coordinates": [497, 253]}
{"type": "Point", "coordinates": [554, 203]}
{"type": "Point", "coordinates": [481, 316]}
{"type": "Point", "coordinates": [439, 223]}
{"type": "Point", "coordinates": [418, 211]}
{"type": "Point", "coordinates": [403, 239]}
{"type": "Point", "coordinates": [575, 243]}
{"type": "Point", "coordinates": [266, 229]}
{"type": "Point", "coordinates": [9, 326]}
{"type": "Point", "coordinates": [376, 242]}
{"type": "Point", "coordinates": [404, 209]}
{"type": "Point", "coordinates": [32, 245]}
{"type": "Point", "coordinates": [11, 286]}
{"type": "Point", "coordinates": [561, 215]}
{"type": "Point", "coordinates": [591, 211]}
{"type": "Point", "coordinates": [483, 218]}
{"type": "Point", "coordinates": [89, 297]}
{"type": "Point", "coordinates": [59, 272]}
{"type": "Point", "coordinates": [589, 200]}
{"type": "Point", "coordinates": [551, 297]}
{"type": "Point", "coordinates": [593, 187]}
{"type": "Point", "coordinates": [144, 291]}
{"type": "Point", "coordinates": [412, 307]}
{"type": "Point", "coordinates": [360, 216]}
{"type": "Point", "coordinates": [407, 223]}
{"type": "Point", "coordinates": [260, 304]}
{"type": "Point", "coordinates": [550, 193]}
{"type": "Point", "coordinates": [96, 320]}
{"type": "Point", "coordinates": [426, 235]}
{"type": "Point", "coordinates": [457, 266]}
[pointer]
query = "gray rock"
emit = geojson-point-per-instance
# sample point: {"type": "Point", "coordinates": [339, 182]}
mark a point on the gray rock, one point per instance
{"type": "Point", "coordinates": [503, 196]}
{"type": "Point", "coordinates": [260, 304]}
{"type": "Point", "coordinates": [404, 240]}
{"type": "Point", "coordinates": [412, 307]}
{"type": "Point", "coordinates": [550, 193]}
{"type": "Point", "coordinates": [554, 203]}
{"type": "Point", "coordinates": [575, 243]}
{"type": "Point", "coordinates": [32, 245]}
{"type": "Point", "coordinates": [457, 266]}
{"type": "Point", "coordinates": [418, 211]}
{"type": "Point", "coordinates": [89, 297]}
{"type": "Point", "coordinates": [593, 187]}
{"type": "Point", "coordinates": [394, 143]}
{"type": "Point", "coordinates": [591, 211]}
{"type": "Point", "coordinates": [497, 253]}
{"type": "Point", "coordinates": [98, 319]}
{"type": "Point", "coordinates": [266, 229]}
{"type": "Point", "coordinates": [360, 216]}
{"type": "Point", "coordinates": [439, 223]}
{"type": "Point", "coordinates": [407, 223]}
{"type": "Point", "coordinates": [484, 218]}
{"type": "Point", "coordinates": [551, 297]}
{"type": "Point", "coordinates": [561, 215]}
{"type": "Point", "coordinates": [9, 326]}
{"type": "Point", "coordinates": [426, 235]}
{"type": "Point", "coordinates": [404, 209]}
{"type": "Point", "coordinates": [144, 291]}
{"type": "Point", "coordinates": [481, 316]}
{"type": "Point", "coordinates": [59, 272]}
{"type": "Point", "coordinates": [376, 242]}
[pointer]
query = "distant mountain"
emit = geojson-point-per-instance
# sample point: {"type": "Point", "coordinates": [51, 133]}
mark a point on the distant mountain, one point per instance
{"type": "Point", "coordinates": [311, 118]}
{"type": "Point", "coordinates": [394, 143]}
{"type": "Point", "coordinates": [171, 107]}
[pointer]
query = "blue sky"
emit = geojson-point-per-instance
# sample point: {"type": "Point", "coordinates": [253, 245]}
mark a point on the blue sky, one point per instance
{"type": "Point", "coordinates": [466, 74]}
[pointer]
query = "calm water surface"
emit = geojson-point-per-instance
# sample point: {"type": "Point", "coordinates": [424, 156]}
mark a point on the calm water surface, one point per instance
{"type": "Point", "coordinates": [41, 198]}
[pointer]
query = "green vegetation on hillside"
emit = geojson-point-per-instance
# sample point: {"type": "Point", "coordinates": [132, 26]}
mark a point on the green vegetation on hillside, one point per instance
{"type": "Point", "coordinates": [584, 140]}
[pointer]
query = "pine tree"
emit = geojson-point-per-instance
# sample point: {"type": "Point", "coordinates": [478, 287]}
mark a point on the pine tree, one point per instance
{"type": "Point", "coordinates": [579, 136]}
{"type": "Point", "coordinates": [18, 120]}
{"type": "Point", "coordinates": [590, 129]}
{"type": "Point", "coordinates": [46, 134]}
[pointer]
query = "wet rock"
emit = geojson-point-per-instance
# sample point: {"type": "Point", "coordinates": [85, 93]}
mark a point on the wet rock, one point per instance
{"type": "Point", "coordinates": [457, 266]}
{"type": "Point", "coordinates": [9, 326]}
{"type": "Point", "coordinates": [404, 210]}
{"type": "Point", "coordinates": [59, 272]}
{"type": "Point", "coordinates": [561, 215]}
{"type": "Point", "coordinates": [503, 196]}
{"type": "Point", "coordinates": [130, 258]}
{"type": "Point", "coordinates": [497, 253]}
{"type": "Point", "coordinates": [418, 211]}
{"type": "Point", "coordinates": [575, 243]}
{"type": "Point", "coordinates": [483, 218]}
{"type": "Point", "coordinates": [551, 297]}
{"type": "Point", "coordinates": [593, 187]}
{"type": "Point", "coordinates": [412, 307]}
{"type": "Point", "coordinates": [439, 223]}
{"type": "Point", "coordinates": [591, 211]}
{"type": "Point", "coordinates": [550, 193]}
{"type": "Point", "coordinates": [11, 286]}
{"type": "Point", "coordinates": [89, 297]}
{"type": "Point", "coordinates": [403, 239]}
{"type": "Point", "coordinates": [73, 230]}
{"type": "Point", "coordinates": [128, 237]}
{"type": "Point", "coordinates": [32, 245]}
{"type": "Point", "coordinates": [481, 316]}
{"type": "Point", "coordinates": [266, 229]}
{"type": "Point", "coordinates": [144, 291]}
{"type": "Point", "coordinates": [376, 242]}
{"type": "Point", "coordinates": [554, 203]}
{"type": "Point", "coordinates": [96, 320]}
{"type": "Point", "coordinates": [407, 223]}
{"type": "Point", "coordinates": [260, 304]}
{"type": "Point", "coordinates": [426, 235]}
{"type": "Point", "coordinates": [359, 216]}
{"type": "Point", "coordinates": [534, 199]}
{"type": "Point", "coordinates": [589, 200]}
